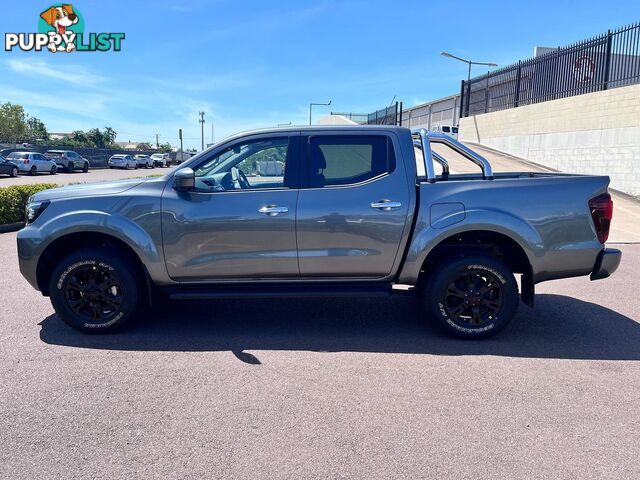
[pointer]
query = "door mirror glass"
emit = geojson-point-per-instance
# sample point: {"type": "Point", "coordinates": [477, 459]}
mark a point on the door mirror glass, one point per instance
{"type": "Point", "coordinates": [184, 180]}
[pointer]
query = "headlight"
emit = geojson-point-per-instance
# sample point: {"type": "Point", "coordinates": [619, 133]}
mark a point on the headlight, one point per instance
{"type": "Point", "coordinates": [34, 209]}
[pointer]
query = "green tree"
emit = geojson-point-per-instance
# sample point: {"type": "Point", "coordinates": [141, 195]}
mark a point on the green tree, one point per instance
{"type": "Point", "coordinates": [144, 146]}
{"type": "Point", "coordinates": [109, 135]}
{"type": "Point", "coordinates": [165, 148]}
{"type": "Point", "coordinates": [13, 125]}
{"type": "Point", "coordinates": [36, 130]}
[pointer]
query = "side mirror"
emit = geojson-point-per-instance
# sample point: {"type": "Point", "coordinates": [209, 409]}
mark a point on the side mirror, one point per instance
{"type": "Point", "coordinates": [184, 179]}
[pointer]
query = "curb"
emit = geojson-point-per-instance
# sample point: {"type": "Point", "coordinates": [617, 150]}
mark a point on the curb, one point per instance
{"type": "Point", "coordinates": [11, 227]}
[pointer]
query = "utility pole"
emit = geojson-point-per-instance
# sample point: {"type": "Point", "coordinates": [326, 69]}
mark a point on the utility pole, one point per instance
{"type": "Point", "coordinates": [180, 136]}
{"type": "Point", "coordinates": [212, 136]}
{"type": "Point", "coordinates": [202, 126]}
{"type": "Point", "coordinates": [157, 141]}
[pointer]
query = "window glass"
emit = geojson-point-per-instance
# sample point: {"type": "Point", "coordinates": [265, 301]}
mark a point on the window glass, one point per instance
{"type": "Point", "coordinates": [21, 156]}
{"type": "Point", "coordinates": [445, 129]}
{"type": "Point", "coordinates": [343, 160]}
{"type": "Point", "coordinates": [455, 129]}
{"type": "Point", "coordinates": [251, 165]}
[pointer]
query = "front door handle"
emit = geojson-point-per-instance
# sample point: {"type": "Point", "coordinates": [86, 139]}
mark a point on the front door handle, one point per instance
{"type": "Point", "coordinates": [386, 205]}
{"type": "Point", "coordinates": [273, 210]}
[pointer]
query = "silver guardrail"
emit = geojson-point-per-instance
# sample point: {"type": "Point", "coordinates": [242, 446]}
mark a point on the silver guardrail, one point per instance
{"type": "Point", "coordinates": [426, 138]}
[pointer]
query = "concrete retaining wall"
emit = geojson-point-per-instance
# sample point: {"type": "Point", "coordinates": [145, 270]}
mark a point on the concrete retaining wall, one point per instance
{"type": "Point", "coordinates": [595, 133]}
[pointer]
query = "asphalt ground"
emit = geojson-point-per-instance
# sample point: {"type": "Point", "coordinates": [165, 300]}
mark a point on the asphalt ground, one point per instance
{"type": "Point", "coordinates": [324, 388]}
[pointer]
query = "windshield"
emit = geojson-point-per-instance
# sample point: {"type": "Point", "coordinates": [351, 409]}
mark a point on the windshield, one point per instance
{"type": "Point", "coordinates": [21, 156]}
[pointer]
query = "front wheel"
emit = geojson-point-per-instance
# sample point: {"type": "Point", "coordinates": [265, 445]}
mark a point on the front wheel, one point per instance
{"type": "Point", "coordinates": [34, 171]}
{"type": "Point", "coordinates": [95, 290]}
{"type": "Point", "coordinates": [471, 297]}
{"type": "Point", "coordinates": [85, 169]}
{"type": "Point", "coordinates": [14, 172]}
{"type": "Point", "coordinates": [53, 170]}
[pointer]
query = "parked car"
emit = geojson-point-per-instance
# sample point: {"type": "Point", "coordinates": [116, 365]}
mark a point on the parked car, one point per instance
{"type": "Point", "coordinates": [447, 130]}
{"type": "Point", "coordinates": [122, 161]}
{"type": "Point", "coordinates": [32, 163]}
{"type": "Point", "coordinates": [143, 161]}
{"type": "Point", "coordinates": [161, 159]}
{"type": "Point", "coordinates": [7, 167]}
{"type": "Point", "coordinates": [358, 212]}
{"type": "Point", "coordinates": [68, 160]}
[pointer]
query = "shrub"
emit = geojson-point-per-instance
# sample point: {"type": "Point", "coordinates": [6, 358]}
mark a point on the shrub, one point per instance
{"type": "Point", "coordinates": [13, 200]}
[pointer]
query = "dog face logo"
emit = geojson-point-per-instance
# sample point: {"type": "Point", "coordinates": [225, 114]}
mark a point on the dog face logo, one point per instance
{"type": "Point", "coordinates": [61, 28]}
{"type": "Point", "coordinates": [60, 18]}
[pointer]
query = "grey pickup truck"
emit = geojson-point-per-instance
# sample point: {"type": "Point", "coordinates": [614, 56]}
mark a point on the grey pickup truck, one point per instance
{"type": "Point", "coordinates": [353, 210]}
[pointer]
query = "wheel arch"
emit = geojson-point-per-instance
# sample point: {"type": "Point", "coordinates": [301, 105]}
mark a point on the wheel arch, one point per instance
{"type": "Point", "coordinates": [489, 242]}
{"type": "Point", "coordinates": [70, 242]}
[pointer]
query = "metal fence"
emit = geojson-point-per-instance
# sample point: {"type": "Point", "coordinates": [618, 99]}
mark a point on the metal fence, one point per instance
{"type": "Point", "coordinates": [606, 61]}
{"type": "Point", "coordinates": [391, 115]}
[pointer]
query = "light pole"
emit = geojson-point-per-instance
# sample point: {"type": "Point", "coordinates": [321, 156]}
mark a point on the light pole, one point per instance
{"type": "Point", "coordinates": [312, 104]}
{"type": "Point", "coordinates": [468, 62]}
{"type": "Point", "coordinates": [202, 126]}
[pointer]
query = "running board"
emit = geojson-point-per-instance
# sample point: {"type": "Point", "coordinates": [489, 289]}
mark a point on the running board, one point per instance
{"type": "Point", "coordinates": [284, 290]}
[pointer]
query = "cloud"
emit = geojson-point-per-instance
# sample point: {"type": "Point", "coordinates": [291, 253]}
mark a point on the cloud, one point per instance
{"type": "Point", "coordinates": [74, 74]}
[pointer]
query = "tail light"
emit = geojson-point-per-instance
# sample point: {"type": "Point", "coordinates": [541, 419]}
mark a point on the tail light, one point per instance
{"type": "Point", "coordinates": [26, 161]}
{"type": "Point", "coordinates": [601, 212]}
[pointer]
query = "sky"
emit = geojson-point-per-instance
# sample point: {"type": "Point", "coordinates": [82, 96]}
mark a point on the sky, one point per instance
{"type": "Point", "coordinates": [250, 64]}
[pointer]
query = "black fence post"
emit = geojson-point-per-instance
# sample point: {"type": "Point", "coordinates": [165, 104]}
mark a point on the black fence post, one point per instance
{"type": "Point", "coordinates": [400, 122]}
{"type": "Point", "coordinates": [486, 95]}
{"type": "Point", "coordinates": [607, 61]}
{"type": "Point", "coordinates": [516, 94]}
{"type": "Point", "coordinates": [460, 115]}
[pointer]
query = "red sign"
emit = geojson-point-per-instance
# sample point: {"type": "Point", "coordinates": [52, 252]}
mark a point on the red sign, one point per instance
{"type": "Point", "coordinates": [584, 69]}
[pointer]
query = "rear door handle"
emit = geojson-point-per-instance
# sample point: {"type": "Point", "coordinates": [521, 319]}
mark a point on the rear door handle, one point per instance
{"type": "Point", "coordinates": [386, 205]}
{"type": "Point", "coordinates": [273, 210]}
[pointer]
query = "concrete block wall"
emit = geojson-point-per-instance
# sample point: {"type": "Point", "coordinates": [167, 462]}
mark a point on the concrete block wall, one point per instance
{"type": "Point", "coordinates": [595, 133]}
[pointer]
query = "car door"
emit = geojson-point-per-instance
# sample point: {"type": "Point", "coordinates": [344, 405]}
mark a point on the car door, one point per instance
{"type": "Point", "coordinates": [351, 219]}
{"type": "Point", "coordinates": [41, 162]}
{"type": "Point", "coordinates": [235, 223]}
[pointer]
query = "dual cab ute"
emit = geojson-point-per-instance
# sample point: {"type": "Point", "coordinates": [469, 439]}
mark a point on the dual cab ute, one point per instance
{"type": "Point", "coordinates": [355, 210]}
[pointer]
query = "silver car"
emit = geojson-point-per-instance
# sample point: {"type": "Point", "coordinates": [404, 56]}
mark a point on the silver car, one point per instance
{"type": "Point", "coordinates": [143, 161]}
{"type": "Point", "coordinates": [32, 163]}
{"type": "Point", "coordinates": [68, 160]}
{"type": "Point", "coordinates": [122, 161]}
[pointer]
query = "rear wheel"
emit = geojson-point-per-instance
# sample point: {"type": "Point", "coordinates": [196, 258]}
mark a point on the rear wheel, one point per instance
{"type": "Point", "coordinates": [95, 290]}
{"type": "Point", "coordinates": [34, 171]}
{"type": "Point", "coordinates": [471, 297]}
{"type": "Point", "coordinates": [70, 168]}
{"type": "Point", "coordinates": [85, 169]}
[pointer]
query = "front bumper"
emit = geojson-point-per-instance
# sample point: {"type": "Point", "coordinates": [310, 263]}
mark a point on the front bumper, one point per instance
{"type": "Point", "coordinates": [607, 262]}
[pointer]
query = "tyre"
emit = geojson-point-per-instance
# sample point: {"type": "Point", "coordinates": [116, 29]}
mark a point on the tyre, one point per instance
{"type": "Point", "coordinates": [14, 172]}
{"type": "Point", "coordinates": [471, 297]}
{"type": "Point", "coordinates": [95, 290]}
{"type": "Point", "coordinates": [85, 169]}
{"type": "Point", "coordinates": [34, 171]}
{"type": "Point", "coordinates": [53, 170]}
{"type": "Point", "coordinates": [70, 168]}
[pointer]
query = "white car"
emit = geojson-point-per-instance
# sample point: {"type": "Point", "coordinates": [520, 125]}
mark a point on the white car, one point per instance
{"type": "Point", "coordinates": [32, 163]}
{"type": "Point", "coordinates": [161, 159]}
{"type": "Point", "coordinates": [122, 161]}
{"type": "Point", "coordinates": [448, 130]}
{"type": "Point", "coordinates": [143, 161]}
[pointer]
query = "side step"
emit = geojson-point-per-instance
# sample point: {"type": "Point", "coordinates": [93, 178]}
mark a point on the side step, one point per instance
{"type": "Point", "coordinates": [280, 290]}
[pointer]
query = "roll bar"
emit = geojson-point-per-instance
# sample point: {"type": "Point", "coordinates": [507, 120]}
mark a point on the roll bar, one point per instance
{"type": "Point", "coordinates": [426, 138]}
{"type": "Point", "coordinates": [437, 157]}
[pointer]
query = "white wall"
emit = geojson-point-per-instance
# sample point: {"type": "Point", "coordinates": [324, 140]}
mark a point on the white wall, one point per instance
{"type": "Point", "coordinates": [595, 133]}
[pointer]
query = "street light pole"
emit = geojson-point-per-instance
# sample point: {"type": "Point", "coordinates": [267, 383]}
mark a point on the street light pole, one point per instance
{"type": "Point", "coordinates": [468, 62]}
{"type": "Point", "coordinates": [312, 104]}
{"type": "Point", "coordinates": [202, 126]}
